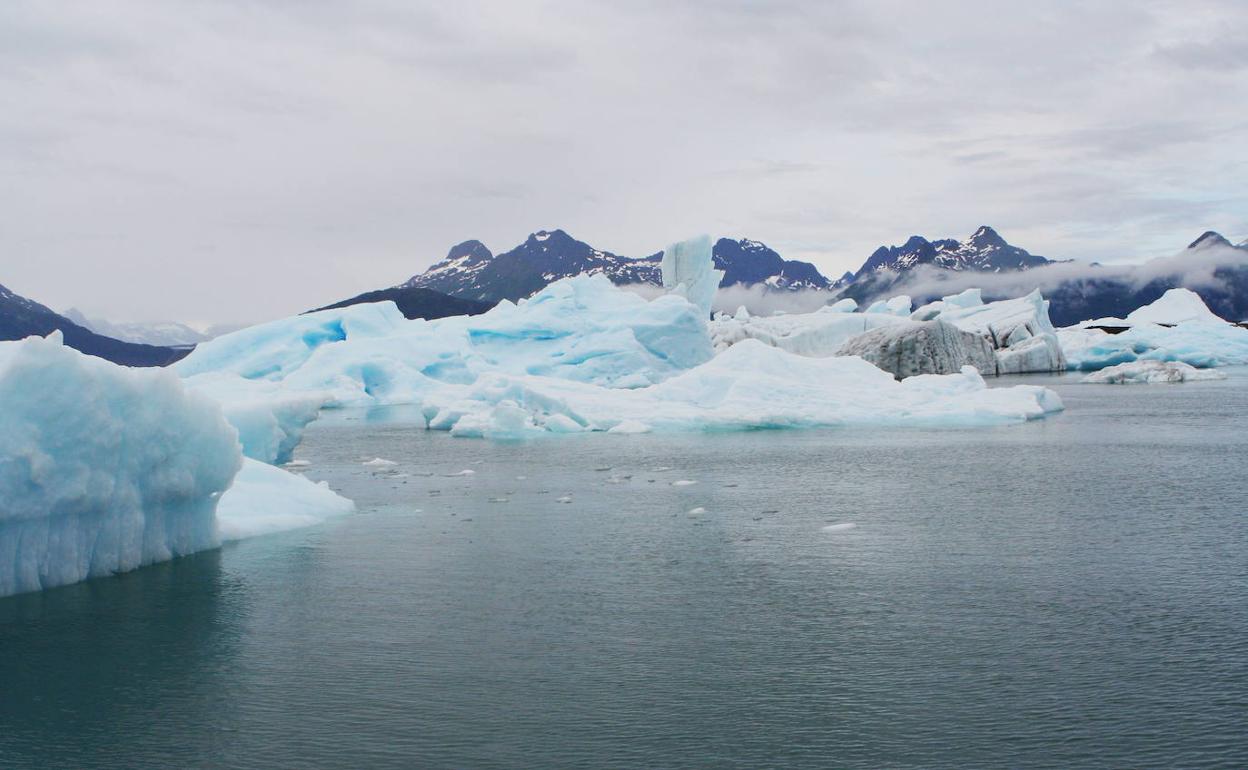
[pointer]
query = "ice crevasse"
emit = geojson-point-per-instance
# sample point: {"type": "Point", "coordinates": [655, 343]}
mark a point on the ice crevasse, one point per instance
{"type": "Point", "coordinates": [104, 469]}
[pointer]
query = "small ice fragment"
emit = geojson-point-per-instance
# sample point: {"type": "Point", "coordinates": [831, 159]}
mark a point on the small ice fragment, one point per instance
{"type": "Point", "coordinates": [499, 500]}
{"type": "Point", "coordinates": [664, 468]}
{"type": "Point", "coordinates": [840, 527]}
{"type": "Point", "coordinates": [683, 483]}
{"type": "Point", "coordinates": [379, 462]}
{"type": "Point", "coordinates": [464, 472]}
{"type": "Point", "coordinates": [564, 499]}
{"type": "Point", "coordinates": [603, 468]}
{"type": "Point", "coordinates": [297, 464]}
{"type": "Point", "coordinates": [696, 511]}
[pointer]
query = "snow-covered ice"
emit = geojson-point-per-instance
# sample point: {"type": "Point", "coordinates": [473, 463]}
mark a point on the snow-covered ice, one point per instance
{"type": "Point", "coordinates": [1202, 340]}
{"type": "Point", "coordinates": [265, 499]}
{"type": "Point", "coordinates": [689, 271]}
{"type": "Point", "coordinates": [1151, 373]}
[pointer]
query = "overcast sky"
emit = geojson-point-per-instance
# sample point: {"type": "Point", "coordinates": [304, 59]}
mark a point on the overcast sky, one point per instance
{"type": "Point", "coordinates": [238, 161]}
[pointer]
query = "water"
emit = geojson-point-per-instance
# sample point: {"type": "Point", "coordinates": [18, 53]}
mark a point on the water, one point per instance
{"type": "Point", "coordinates": [1067, 593]}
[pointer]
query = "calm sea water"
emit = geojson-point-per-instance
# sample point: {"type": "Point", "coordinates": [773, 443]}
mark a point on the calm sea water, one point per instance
{"type": "Point", "coordinates": [1068, 593]}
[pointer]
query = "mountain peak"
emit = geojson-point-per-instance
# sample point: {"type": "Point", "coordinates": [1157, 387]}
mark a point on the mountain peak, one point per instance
{"type": "Point", "coordinates": [474, 250]}
{"type": "Point", "coordinates": [986, 236]}
{"type": "Point", "coordinates": [1209, 238]}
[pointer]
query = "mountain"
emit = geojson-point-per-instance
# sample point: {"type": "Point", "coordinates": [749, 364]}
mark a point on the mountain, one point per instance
{"type": "Point", "coordinates": [471, 271]}
{"type": "Point", "coordinates": [21, 317]}
{"type": "Point", "coordinates": [1210, 265]}
{"type": "Point", "coordinates": [984, 251]}
{"type": "Point", "coordinates": [159, 333]}
{"type": "Point", "coordinates": [415, 302]}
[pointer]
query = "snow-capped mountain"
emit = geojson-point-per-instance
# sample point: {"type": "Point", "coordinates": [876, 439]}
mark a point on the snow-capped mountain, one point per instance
{"type": "Point", "coordinates": [21, 317]}
{"type": "Point", "coordinates": [985, 250]}
{"type": "Point", "coordinates": [471, 271]}
{"type": "Point", "coordinates": [160, 333]}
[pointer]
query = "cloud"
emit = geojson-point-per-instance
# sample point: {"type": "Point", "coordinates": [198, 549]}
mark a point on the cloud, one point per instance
{"type": "Point", "coordinates": [245, 160]}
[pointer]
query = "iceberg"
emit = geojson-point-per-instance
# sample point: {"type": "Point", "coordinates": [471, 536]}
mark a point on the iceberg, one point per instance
{"type": "Point", "coordinates": [105, 468]}
{"type": "Point", "coordinates": [265, 499]}
{"type": "Point", "coordinates": [1152, 372]}
{"type": "Point", "coordinates": [102, 468]}
{"type": "Point", "coordinates": [1177, 327]}
{"type": "Point", "coordinates": [922, 347]}
{"type": "Point", "coordinates": [581, 328]}
{"type": "Point", "coordinates": [1019, 329]}
{"type": "Point", "coordinates": [585, 356]}
{"type": "Point", "coordinates": [688, 270]}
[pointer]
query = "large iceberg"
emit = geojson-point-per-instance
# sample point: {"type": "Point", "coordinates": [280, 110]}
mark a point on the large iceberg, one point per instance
{"type": "Point", "coordinates": [922, 347]}
{"type": "Point", "coordinates": [1019, 329]}
{"type": "Point", "coordinates": [750, 385]}
{"type": "Point", "coordinates": [1177, 327]}
{"type": "Point", "coordinates": [581, 328]}
{"type": "Point", "coordinates": [104, 468]}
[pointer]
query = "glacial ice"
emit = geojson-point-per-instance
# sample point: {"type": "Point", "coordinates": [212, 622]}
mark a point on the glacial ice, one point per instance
{"type": "Point", "coordinates": [688, 270]}
{"type": "Point", "coordinates": [265, 499]}
{"type": "Point", "coordinates": [1019, 329]}
{"type": "Point", "coordinates": [105, 469]}
{"type": "Point", "coordinates": [1151, 373]}
{"type": "Point", "coordinates": [1197, 336]}
{"type": "Point", "coordinates": [922, 347]}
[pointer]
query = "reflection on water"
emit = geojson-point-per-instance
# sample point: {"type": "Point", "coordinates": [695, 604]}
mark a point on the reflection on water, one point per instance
{"type": "Point", "coordinates": [1067, 593]}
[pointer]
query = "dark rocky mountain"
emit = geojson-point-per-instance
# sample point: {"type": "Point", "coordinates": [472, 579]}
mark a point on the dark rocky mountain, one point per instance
{"type": "Point", "coordinates": [747, 262]}
{"type": "Point", "coordinates": [1096, 292]}
{"type": "Point", "coordinates": [984, 251]}
{"type": "Point", "coordinates": [21, 317]}
{"type": "Point", "coordinates": [415, 302]}
{"type": "Point", "coordinates": [470, 271]}
{"type": "Point", "coordinates": [1090, 297]}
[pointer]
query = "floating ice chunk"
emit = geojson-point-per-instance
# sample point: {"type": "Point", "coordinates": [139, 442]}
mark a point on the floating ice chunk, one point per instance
{"type": "Point", "coordinates": [696, 511]}
{"type": "Point", "coordinates": [103, 468]}
{"type": "Point", "coordinates": [683, 483]}
{"type": "Point", "coordinates": [464, 472]}
{"type": "Point", "coordinates": [631, 427]}
{"type": "Point", "coordinates": [842, 527]}
{"type": "Point", "coordinates": [265, 499]}
{"type": "Point", "coordinates": [298, 464]}
{"type": "Point", "coordinates": [1201, 344]}
{"type": "Point", "coordinates": [1152, 372]}
{"type": "Point", "coordinates": [379, 462]}
{"type": "Point", "coordinates": [564, 499]}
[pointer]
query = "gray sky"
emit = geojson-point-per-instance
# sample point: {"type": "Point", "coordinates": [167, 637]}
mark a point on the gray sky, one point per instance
{"type": "Point", "coordinates": [237, 161]}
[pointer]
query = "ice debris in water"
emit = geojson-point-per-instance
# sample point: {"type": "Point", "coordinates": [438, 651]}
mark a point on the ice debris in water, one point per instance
{"type": "Point", "coordinates": [1151, 373]}
{"type": "Point", "coordinates": [696, 511]}
{"type": "Point", "coordinates": [842, 527]}
{"type": "Point", "coordinates": [684, 483]}
{"type": "Point", "coordinates": [379, 462]}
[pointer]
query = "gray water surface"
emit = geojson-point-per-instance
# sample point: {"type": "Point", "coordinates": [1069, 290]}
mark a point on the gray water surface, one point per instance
{"type": "Point", "coordinates": [1072, 592]}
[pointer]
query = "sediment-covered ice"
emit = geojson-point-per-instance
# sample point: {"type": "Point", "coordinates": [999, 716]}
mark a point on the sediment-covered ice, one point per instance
{"type": "Point", "coordinates": [922, 347]}
{"type": "Point", "coordinates": [1019, 329]}
{"type": "Point", "coordinates": [1152, 373]}
{"type": "Point", "coordinates": [102, 468]}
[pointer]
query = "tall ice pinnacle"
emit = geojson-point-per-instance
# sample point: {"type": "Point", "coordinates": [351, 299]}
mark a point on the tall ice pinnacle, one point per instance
{"type": "Point", "coordinates": [689, 270]}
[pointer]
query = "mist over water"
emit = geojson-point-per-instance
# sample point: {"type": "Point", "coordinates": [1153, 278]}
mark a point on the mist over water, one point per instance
{"type": "Point", "coordinates": [1064, 593]}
